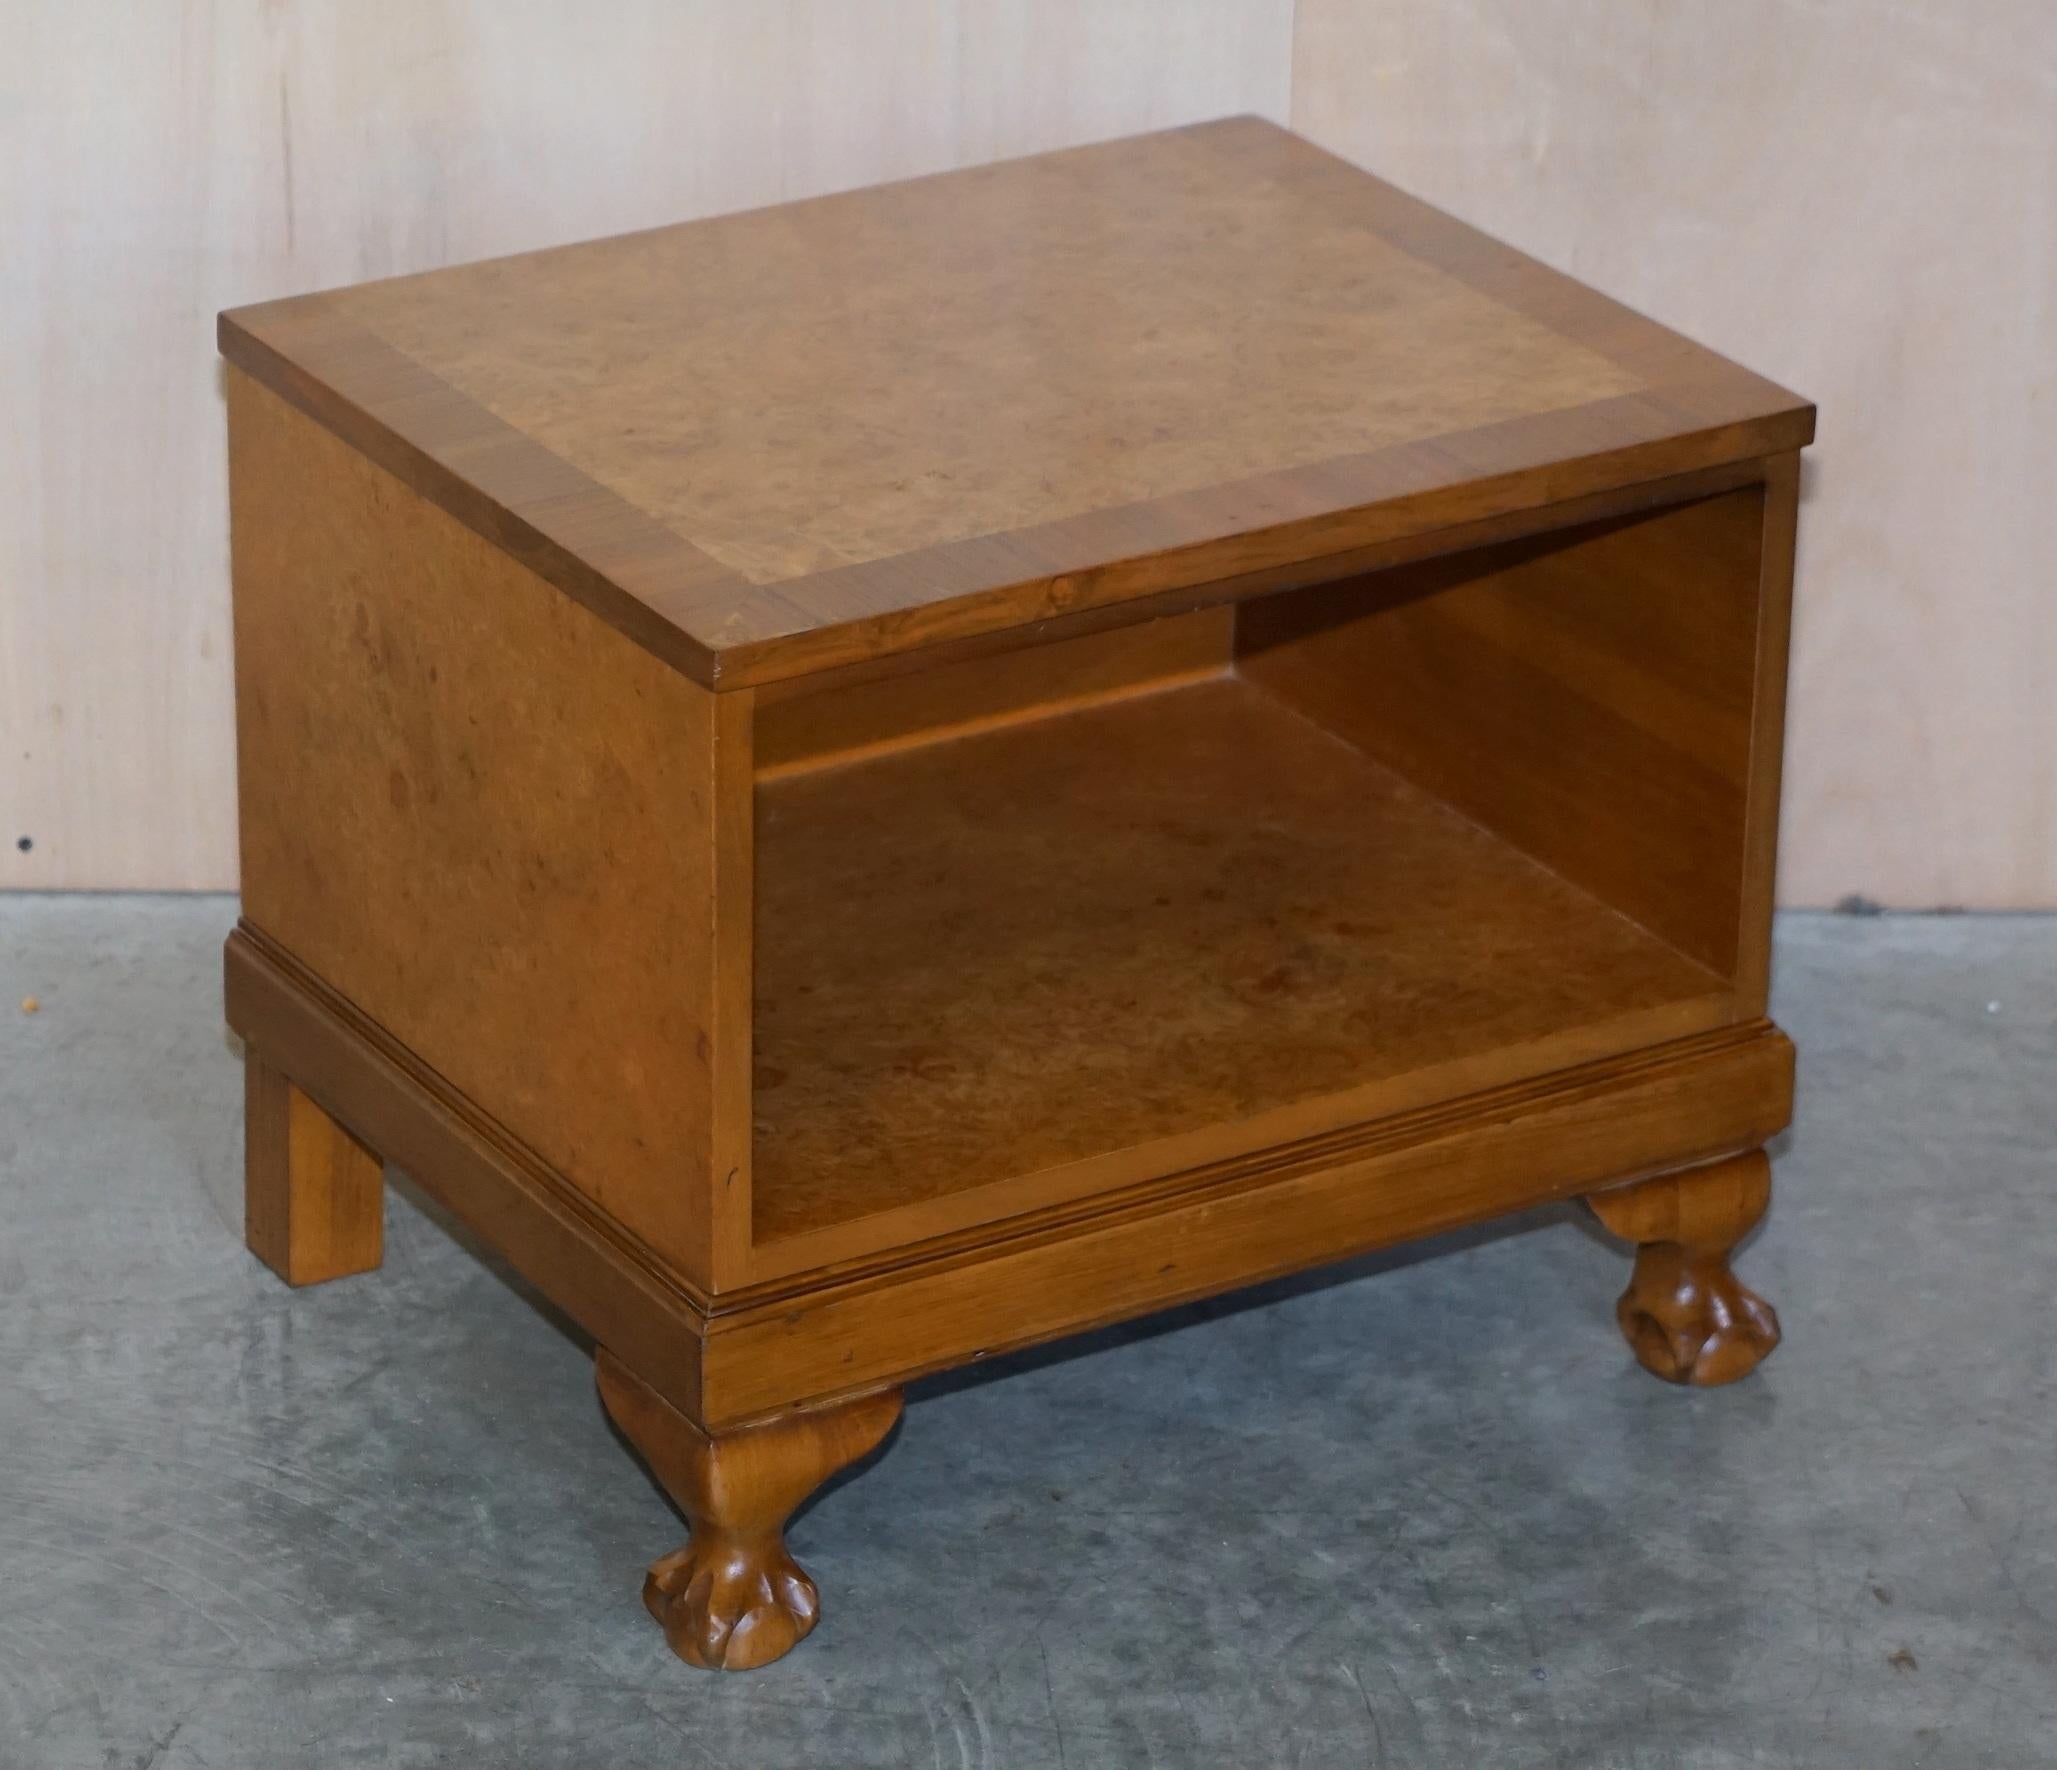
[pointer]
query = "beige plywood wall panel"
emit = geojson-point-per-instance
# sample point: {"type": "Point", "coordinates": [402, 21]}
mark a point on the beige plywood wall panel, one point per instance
{"type": "Point", "coordinates": [1860, 201]}
{"type": "Point", "coordinates": [161, 160]}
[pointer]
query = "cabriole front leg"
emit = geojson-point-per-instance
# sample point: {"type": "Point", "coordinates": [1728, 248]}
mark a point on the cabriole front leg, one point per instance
{"type": "Point", "coordinates": [733, 1597]}
{"type": "Point", "coordinates": [1686, 1315]}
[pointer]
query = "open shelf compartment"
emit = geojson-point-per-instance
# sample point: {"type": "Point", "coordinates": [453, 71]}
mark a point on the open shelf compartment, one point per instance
{"type": "Point", "coordinates": [1178, 895]}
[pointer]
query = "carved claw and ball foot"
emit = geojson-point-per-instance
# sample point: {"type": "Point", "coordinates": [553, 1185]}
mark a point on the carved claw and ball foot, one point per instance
{"type": "Point", "coordinates": [1686, 1315]}
{"type": "Point", "coordinates": [733, 1598]}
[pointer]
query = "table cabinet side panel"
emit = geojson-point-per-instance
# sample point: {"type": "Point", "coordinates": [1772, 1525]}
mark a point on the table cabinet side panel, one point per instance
{"type": "Point", "coordinates": [1767, 732]}
{"type": "Point", "coordinates": [489, 821]}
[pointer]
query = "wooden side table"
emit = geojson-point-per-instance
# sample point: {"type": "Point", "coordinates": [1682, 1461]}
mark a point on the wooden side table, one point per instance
{"type": "Point", "coordinates": [882, 780]}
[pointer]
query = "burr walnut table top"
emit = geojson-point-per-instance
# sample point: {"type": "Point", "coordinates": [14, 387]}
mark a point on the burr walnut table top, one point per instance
{"type": "Point", "coordinates": [784, 441]}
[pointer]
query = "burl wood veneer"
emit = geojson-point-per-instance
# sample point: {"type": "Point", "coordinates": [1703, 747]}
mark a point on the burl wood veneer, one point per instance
{"type": "Point", "coordinates": [868, 783]}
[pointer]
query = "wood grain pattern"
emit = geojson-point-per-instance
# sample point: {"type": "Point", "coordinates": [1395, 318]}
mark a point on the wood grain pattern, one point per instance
{"type": "Point", "coordinates": [1589, 696]}
{"type": "Point", "coordinates": [733, 1598]}
{"type": "Point", "coordinates": [1685, 1314]}
{"type": "Point", "coordinates": [1156, 931]}
{"type": "Point", "coordinates": [1028, 388]}
{"type": "Point", "coordinates": [494, 825]}
{"type": "Point", "coordinates": [313, 1195]}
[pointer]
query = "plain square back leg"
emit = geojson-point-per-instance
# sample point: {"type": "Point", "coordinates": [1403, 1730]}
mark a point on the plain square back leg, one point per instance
{"type": "Point", "coordinates": [313, 1196]}
{"type": "Point", "coordinates": [1686, 1315]}
{"type": "Point", "coordinates": [734, 1598]}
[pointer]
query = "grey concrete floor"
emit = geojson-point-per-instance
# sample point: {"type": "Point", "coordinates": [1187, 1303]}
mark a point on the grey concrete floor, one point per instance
{"type": "Point", "coordinates": [1419, 1510]}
